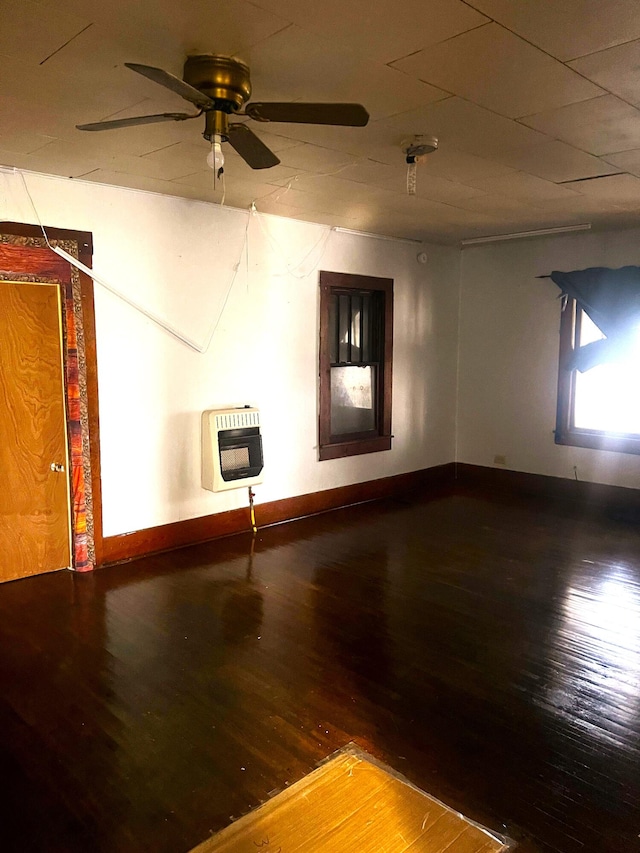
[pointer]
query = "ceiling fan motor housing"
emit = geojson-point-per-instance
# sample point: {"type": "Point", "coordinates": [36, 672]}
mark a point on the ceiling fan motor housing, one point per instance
{"type": "Point", "coordinates": [222, 78]}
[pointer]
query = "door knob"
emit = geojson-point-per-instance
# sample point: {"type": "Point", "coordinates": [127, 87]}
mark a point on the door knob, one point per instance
{"type": "Point", "coordinates": [59, 469]}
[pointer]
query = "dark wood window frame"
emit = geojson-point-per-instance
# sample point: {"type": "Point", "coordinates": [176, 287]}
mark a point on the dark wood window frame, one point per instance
{"type": "Point", "coordinates": [352, 444]}
{"type": "Point", "coordinates": [566, 431]}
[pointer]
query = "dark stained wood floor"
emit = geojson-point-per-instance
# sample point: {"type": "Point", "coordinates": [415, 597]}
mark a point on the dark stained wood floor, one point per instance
{"type": "Point", "coordinates": [489, 650]}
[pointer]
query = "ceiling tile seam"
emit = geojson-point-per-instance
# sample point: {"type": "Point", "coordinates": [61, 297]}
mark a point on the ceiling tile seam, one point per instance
{"type": "Point", "coordinates": [162, 148]}
{"type": "Point", "coordinates": [437, 44]}
{"type": "Point", "coordinates": [306, 173]}
{"type": "Point", "coordinates": [179, 178]}
{"type": "Point", "coordinates": [447, 93]}
{"type": "Point", "coordinates": [379, 190]}
{"type": "Point", "coordinates": [117, 171]}
{"type": "Point", "coordinates": [603, 50]}
{"type": "Point", "coordinates": [269, 12]}
{"type": "Point", "coordinates": [67, 42]}
{"type": "Point", "coordinates": [54, 141]}
{"type": "Point", "coordinates": [511, 175]}
{"type": "Point", "coordinates": [329, 147]}
{"type": "Point", "coordinates": [525, 203]}
{"type": "Point", "coordinates": [522, 121]}
{"type": "Point", "coordinates": [604, 90]}
{"type": "Point", "coordinates": [124, 109]}
{"type": "Point", "coordinates": [297, 143]}
{"type": "Point", "coordinates": [519, 120]}
{"type": "Point", "coordinates": [594, 178]}
{"type": "Point", "coordinates": [471, 6]}
{"type": "Point", "coordinates": [400, 58]}
{"type": "Point", "coordinates": [238, 53]}
{"type": "Point", "coordinates": [495, 113]}
{"type": "Point", "coordinates": [40, 147]}
{"type": "Point", "coordinates": [613, 153]}
{"type": "Point", "coordinates": [504, 115]}
{"type": "Point", "coordinates": [378, 162]}
{"type": "Point", "coordinates": [90, 172]}
{"type": "Point", "coordinates": [562, 142]}
{"type": "Point", "coordinates": [514, 33]}
{"type": "Point", "coordinates": [447, 97]}
{"type": "Point", "coordinates": [564, 62]}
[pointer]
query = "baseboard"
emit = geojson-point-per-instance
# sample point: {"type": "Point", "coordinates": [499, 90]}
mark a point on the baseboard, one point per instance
{"type": "Point", "coordinates": [179, 534]}
{"type": "Point", "coordinates": [616, 499]}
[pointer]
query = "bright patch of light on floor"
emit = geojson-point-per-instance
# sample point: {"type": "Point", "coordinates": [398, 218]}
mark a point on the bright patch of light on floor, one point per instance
{"type": "Point", "coordinates": [596, 664]}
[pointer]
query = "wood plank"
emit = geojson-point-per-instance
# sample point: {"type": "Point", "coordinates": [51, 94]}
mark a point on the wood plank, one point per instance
{"type": "Point", "coordinates": [352, 803]}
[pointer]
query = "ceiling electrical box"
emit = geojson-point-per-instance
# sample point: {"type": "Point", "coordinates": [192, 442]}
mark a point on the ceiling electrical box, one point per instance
{"type": "Point", "coordinates": [231, 448]}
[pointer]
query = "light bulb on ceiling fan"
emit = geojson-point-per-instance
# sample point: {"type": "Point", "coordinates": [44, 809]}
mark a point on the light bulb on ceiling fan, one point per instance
{"type": "Point", "coordinates": [215, 157]}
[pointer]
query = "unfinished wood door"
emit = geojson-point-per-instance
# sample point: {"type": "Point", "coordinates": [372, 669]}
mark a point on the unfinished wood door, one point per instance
{"type": "Point", "coordinates": [34, 499]}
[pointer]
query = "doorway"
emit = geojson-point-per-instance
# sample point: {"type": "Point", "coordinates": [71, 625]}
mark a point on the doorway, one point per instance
{"type": "Point", "coordinates": [25, 258]}
{"type": "Point", "coordinates": [35, 515]}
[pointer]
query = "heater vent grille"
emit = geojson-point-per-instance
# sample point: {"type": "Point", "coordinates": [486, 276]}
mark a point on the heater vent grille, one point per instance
{"type": "Point", "coordinates": [234, 459]}
{"type": "Point", "coordinates": [237, 420]}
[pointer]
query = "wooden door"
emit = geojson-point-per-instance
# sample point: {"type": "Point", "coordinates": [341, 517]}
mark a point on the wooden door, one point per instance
{"type": "Point", "coordinates": [34, 499]}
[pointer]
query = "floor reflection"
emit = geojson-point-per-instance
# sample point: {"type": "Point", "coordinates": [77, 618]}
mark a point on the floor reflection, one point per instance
{"type": "Point", "coordinates": [595, 681]}
{"type": "Point", "coordinates": [490, 651]}
{"type": "Point", "coordinates": [350, 615]}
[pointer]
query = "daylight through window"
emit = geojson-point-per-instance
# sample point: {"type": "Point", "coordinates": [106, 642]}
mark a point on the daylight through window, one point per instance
{"type": "Point", "coordinates": [601, 407]}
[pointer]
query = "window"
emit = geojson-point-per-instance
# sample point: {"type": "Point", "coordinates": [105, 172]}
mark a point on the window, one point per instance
{"type": "Point", "coordinates": [356, 335]}
{"type": "Point", "coordinates": [599, 408]}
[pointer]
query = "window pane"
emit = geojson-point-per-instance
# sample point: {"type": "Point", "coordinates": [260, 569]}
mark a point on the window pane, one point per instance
{"type": "Point", "coordinates": [353, 401]}
{"type": "Point", "coordinates": [343, 327]}
{"type": "Point", "coordinates": [607, 398]}
{"type": "Point", "coordinates": [589, 332]}
{"type": "Point", "coordinates": [356, 316]}
{"type": "Point", "coordinates": [333, 329]}
{"type": "Point", "coordinates": [366, 329]}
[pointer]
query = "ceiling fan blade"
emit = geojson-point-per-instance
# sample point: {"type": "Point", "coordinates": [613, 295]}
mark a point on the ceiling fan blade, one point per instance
{"type": "Point", "coordinates": [350, 115]}
{"type": "Point", "coordinates": [170, 81]}
{"type": "Point", "coordinates": [132, 122]}
{"type": "Point", "coordinates": [251, 148]}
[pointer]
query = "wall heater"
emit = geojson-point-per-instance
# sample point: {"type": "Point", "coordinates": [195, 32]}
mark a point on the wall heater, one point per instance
{"type": "Point", "coordinates": [231, 448]}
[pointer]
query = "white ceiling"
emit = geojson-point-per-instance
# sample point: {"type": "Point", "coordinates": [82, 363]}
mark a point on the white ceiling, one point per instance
{"type": "Point", "coordinates": [536, 106]}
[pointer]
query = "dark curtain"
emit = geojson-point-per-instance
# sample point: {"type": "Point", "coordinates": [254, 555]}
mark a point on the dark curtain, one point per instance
{"type": "Point", "coordinates": [611, 298]}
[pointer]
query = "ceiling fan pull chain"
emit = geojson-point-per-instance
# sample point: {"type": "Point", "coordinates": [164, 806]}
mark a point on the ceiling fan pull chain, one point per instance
{"type": "Point", "coordinates": [412, 175]}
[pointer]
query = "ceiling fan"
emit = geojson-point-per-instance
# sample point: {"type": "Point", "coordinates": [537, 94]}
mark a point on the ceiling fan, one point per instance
{"type": "Point", "coordinates": [220, 86]}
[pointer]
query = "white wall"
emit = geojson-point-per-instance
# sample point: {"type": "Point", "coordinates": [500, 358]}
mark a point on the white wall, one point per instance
{"type": "Point", "coordinates": [176, 258]}
{"type": "Point", "coordinates": [508, 360]}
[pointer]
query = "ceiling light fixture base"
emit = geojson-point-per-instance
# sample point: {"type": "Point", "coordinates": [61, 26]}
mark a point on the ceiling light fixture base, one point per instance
{"type": "Point", "coordinates": [418, 147]}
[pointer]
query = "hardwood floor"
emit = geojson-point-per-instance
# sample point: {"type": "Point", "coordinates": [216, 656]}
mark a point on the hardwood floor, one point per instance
{"type": "Point", "coordinates": [487, 649]}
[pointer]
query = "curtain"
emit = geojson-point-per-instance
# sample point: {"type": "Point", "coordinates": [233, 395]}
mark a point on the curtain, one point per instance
{"type": "Point", "coordinates": [611, 298]}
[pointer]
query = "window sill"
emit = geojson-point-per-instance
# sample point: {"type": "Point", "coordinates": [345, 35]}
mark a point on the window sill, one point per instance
{"type": "Point", "coordinates": [596, 440]}
{"type": "Point", "coordinates": [355, 447]}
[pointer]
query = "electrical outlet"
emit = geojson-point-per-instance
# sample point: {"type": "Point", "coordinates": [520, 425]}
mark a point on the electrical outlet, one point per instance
{"type": "Point", "coordinates": [499, 459]}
